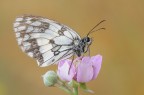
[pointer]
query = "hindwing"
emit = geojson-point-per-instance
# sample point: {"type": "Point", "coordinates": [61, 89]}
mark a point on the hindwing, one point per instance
{"type": "Point", "coordinates": [45, 40]}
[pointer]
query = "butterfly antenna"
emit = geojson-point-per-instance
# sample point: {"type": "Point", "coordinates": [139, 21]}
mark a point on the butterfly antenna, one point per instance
{"type": "Point", "coordinates": [95, 27]}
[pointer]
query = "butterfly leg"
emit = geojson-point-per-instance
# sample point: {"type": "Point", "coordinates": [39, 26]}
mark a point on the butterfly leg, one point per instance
{"type": "Point", "coordinates": [71, 64]}
{"type": "Point", "coordinates": [88, 51]}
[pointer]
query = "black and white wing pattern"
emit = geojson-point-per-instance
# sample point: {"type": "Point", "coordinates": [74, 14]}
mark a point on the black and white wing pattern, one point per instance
{"type": "Point", "coordinates": [45, 40]}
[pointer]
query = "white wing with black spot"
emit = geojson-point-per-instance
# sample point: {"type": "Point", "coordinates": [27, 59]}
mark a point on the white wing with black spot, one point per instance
{"type": "Point", "coordinates": [45, 40]}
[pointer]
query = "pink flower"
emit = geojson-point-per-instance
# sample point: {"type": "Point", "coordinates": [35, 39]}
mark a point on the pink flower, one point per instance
{"type": "Point", "coordinates": [88, 68]}
{"type": "Point", "coordinates": [85, 69]}
{"type": "Point", "coordinates": [63, 70]}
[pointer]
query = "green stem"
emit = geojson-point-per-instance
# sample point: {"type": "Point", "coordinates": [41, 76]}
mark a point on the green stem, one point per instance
{"type": "Point", "coordinates": [75, 90]}
{"type": "Point", "coordinates": [64, 87]}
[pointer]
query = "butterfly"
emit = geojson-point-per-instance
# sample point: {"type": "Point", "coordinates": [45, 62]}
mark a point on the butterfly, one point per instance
{"type": "Point", "coordinates": [49, 41]}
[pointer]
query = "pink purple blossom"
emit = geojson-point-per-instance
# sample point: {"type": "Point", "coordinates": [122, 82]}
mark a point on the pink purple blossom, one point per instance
{"type": "Point", "coordinates": [82, 70]}
{"type": "Point", "coordinates": [63, 70]}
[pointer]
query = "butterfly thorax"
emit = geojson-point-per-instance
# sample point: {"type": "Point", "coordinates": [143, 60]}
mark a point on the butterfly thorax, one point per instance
{"type": "Point", "coordinates": [82, 46]}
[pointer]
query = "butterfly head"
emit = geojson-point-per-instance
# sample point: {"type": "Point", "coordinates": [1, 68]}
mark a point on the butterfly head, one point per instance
{"type": "Point", "coordinates": [83, 46]}
{"type": "Point", "coordinates": [86, 42]}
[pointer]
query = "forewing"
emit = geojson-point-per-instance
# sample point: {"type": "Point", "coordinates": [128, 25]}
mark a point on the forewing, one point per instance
{"type": "Point", "coordinates": [45, 40]}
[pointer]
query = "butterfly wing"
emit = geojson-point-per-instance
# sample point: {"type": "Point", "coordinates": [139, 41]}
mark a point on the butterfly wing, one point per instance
{"type": "Point", "coordinates": [45, 40]}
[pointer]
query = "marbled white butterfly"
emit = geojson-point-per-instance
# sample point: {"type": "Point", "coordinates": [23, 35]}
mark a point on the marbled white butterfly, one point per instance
{"type": "Point", "coordinates": [49, 41]}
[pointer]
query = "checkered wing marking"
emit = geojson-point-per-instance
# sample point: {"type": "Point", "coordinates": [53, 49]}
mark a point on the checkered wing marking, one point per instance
{"type": "Point", "coordinates": [45, 40]}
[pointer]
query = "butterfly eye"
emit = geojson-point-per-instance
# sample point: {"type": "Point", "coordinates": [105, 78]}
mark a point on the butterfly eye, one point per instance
{"type": "Point", "coordinates": [88, 39]}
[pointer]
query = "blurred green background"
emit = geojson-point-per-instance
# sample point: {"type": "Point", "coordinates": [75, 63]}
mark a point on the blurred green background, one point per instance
{"type": "Point", "coordinates": [121, 45]}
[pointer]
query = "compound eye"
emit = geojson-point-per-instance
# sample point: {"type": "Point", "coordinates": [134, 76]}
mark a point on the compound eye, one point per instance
{"type": "Point", "coordinates": [88, 39]}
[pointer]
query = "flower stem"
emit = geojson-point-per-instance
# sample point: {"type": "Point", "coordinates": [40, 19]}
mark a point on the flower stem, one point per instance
{"type": "Point", "coordinates": [75, 90]}
{"type": "Point", "coordinates": [64, 87]}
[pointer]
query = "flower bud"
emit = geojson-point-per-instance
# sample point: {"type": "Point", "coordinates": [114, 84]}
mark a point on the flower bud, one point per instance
{"type": "Point", "coordinates": [50, 78]}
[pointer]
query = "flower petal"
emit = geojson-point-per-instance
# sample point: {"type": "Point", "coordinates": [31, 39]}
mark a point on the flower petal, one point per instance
{"type": "Point", "coordinates": [84, 71]}
{"type": "Point", "coordinates": [96, 63]}
{"type": "Point", "coordinates": [63, 70]}
{"type": "Point", "coordinates": [86, 60]}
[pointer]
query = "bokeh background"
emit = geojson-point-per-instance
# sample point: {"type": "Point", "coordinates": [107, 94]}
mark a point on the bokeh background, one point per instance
{"type": "Point", "coordinates": [121, 45]}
